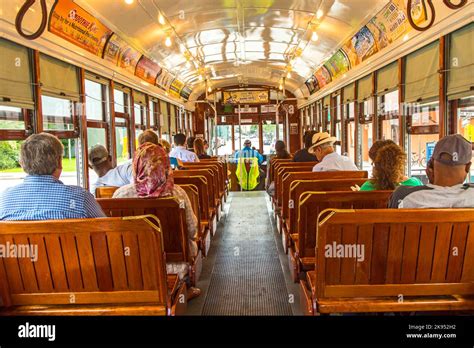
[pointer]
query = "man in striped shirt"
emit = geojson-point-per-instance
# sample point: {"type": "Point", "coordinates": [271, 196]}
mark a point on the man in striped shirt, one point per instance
{"type": "Point", "coordinates": [42, 196]}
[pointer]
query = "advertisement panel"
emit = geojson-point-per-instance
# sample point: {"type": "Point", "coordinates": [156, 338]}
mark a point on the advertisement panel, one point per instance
{"type": "Point", "coordinates": [147, 70]}
{"type": "Point", "coordinates": [245, 97]}
{"type": "Point", "coordinates": [74, 24]}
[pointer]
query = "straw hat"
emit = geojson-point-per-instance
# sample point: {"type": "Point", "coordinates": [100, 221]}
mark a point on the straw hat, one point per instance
{"type": "Point", "coordinates": [319, 139]}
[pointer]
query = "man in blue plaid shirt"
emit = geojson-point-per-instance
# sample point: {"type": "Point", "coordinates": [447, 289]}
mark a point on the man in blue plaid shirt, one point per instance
{"type": "Point", "coordinates": [42, 196]}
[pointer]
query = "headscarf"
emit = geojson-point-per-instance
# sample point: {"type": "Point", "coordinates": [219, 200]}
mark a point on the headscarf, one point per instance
{"type": "Point", "coordinates": [152, 171]}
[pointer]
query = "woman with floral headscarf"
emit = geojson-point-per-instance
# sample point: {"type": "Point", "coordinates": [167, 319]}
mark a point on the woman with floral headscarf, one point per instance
{"type": "Point", "coordinates": [153, 177]}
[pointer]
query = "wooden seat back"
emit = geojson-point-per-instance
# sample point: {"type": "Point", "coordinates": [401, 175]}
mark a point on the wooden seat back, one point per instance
{"type": "Point", "coordinates": [105, 191]}
{"type": "Point", "coordinates": [168, 210]}
{"type": "Point", "coordinates": [216, 170]}
{"type": "Point", "coordinates": [211, 179]}
{"type": "Point", "coordinates": [290, 177]}
{"type": "Point", "coordinates": [407, 252]}
{"type": "Point", "coordinates": [312, 203]}
{"type": "Point", "coordinates": [274, 162]}
{"type": "Point", "coordinates": [96, 263]}
{"type": "Point", "coordinates": [298, 187]}
{"type": "Point", "coordinates": [193, 194]}
{"type": "Point", "coordinates": [201, 183]}
{"type": "Point", "coordinates": [286, 168]}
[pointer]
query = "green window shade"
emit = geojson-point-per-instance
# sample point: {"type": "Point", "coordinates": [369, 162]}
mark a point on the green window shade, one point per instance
{"type": "Point", "coordinates": [96, 78]}
{"type": "Point", "coordinates": [421, 74]}
{"type": "Point", "coordinates": [173, 118]}
{"type": "Point", "coordinates": [364, 88]}
{"type": "Point", "coordinates": [139, 98]}
{"type": "Point", "coordinates": [58, 79]}
{"type": "Point", "coordinates": [461, 63]}
{"type": "Point", "coordinates": [327, 101]}
{"type": "Point", "coordinates": [387, 78]}
{"type": "Point", "coordinates": [16, 83]}
{"type": "Point", "coordinates": [164, 123]}
{"type": "Point", "coordinates": [349, 93]}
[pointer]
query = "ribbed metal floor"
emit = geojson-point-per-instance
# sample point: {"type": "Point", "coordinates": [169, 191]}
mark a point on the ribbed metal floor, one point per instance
{"type": "Point", "coordinates": [247, 278]}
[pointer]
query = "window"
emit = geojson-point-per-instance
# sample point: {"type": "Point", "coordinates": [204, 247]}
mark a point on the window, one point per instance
{"type": "Point", "coordinates": [337, 120]}
{"type": "Point", "coordinates": [269, 137]}
{"type": "Point", "coordinates": [365, 133]}
{"type": "Point", "coordinates": [57, 113]}
{"type": "Point", "coordinates": [11, 117]}
{"type": "Point", "coordinates": [120, 101]}
{"type": "Point", "coordinates": [224, 140]}
{"type": "Point", "coordinates": [151, 106]}
{"type": "Point", "coordinates": [388, 115]}
{"type": "Point", "coordinates": [138, 115]}
{"type": "Point", "coordinates": [94, 101]}
{"type": "Point", "coordinates": [350, 130]}
{"type": "Point", "coordinates": [465, 123]}
{"type": "Point", "coordinates": [11, 173]}
{"type": "Point", "coordinates": [121, 144]}
{"type": "Point", "coordinates": [423, 130]}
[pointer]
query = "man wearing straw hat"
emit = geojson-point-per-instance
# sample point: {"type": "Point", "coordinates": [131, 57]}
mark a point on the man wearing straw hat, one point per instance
{"type": "Point", "coordinates": [329, 159]}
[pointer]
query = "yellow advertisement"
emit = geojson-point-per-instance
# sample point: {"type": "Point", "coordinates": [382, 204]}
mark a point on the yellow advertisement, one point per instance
{"type": "Point", "coordinates": [74, 24]}
{"type": "Point", "coordinates": [175, 88]}
{"type": "Point", "coordinates": [245, 97]}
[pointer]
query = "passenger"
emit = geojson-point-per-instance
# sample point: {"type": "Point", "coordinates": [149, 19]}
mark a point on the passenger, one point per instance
{"type": "Point", "coordinates": [199, 149]}
{"type": "Point", "coordinates": [101, 162]}
{"type": "Point", "coordinates": [153, 177]}
{"type": "Point", "coordinates": [206, 146]}
{"type": "Point", "coordinates": [280, 149]}
{"type": "Point", "coordinates": [249, 152]}
{"type": "Point", "coordinates": [190, 143]}
{"type": "Point", "coordinates": [446, 170]}
{"type": "Point", "coordinates": [389, 168]}
{"type": "Point", "coordinates": [180, 150]}
{"type": "Point", "coordinates": [42, 196]}
{"type": "Point", "coordinates": [329, 160]}
{"type": "Point", "coordinates": [148, 136]}
{"type": "Point", "coordinates": [303, 155]}
{"type": "Point", "coordinates": [175, 162]}
{"type": "Point", "coordinates": [281, 153]}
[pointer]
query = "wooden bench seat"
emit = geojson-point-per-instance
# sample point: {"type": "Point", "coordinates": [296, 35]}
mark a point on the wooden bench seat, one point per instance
{"type": "Point", "coordinates": [414, 260]}
{"type": "Point", "coordinates": [311, 204]}
{"type": "Point", "coordinates": [104, 266]}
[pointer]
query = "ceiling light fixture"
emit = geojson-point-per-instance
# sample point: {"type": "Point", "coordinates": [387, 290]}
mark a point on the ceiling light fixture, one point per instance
{"type": "Point", "coordinates": [168, 41]}
{"type": "Point", "coordinates": [209, 89]}
{"type": "Point", "coordinates": [161, 19]}
{"type": "Point", "coordinates": [129, 2]}
{"type": "Point", "coordinates": [319, 14]}
{"type": "Point", "coordinates": [288, 75]}
{"type": "Point", "coordinates": [315, 36]}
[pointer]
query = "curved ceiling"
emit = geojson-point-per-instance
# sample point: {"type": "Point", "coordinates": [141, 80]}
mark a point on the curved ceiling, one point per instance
{"type": "Point", "coordinates": [229, 42]}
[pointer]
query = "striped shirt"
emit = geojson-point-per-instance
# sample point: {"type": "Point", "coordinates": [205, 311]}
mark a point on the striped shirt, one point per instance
{"type": "Point", "coordinates": [43, 197]}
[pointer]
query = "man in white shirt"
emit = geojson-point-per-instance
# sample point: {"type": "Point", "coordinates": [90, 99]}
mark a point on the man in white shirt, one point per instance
{"type": "Point", "coordinates": [180, 151]}
{"type": "Point", "coordinates": [101, 162]}
{"type": "Point", "coordinates": [329, 160]}
{"type": "Point", "coordinates": [446, 171]}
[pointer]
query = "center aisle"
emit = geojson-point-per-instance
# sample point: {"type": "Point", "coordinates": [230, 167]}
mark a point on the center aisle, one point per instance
{"type": "Point", "coordinates": [247, 276]}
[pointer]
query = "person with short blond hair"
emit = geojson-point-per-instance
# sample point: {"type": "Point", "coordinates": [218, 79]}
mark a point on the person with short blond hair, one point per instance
{"type": "Point", "coordinates": [42, 196]}
{"type": "Point", "coordinates": [148, 136]}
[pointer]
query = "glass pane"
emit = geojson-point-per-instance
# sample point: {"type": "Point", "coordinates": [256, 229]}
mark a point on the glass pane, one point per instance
{"type": "Point", "coordinates": [119, 100]}
{"type": "Point", "coordinates": [137, 134]}
{"type": "Point", "coordinates": [121, 144]}
{"type": "Point", "coordinates": [57, 113]}
{"type": "Point", "coordinates": [151, 105]}
{"type": "Point", "coordinates": [419, 146]}
{"type": "Point", "coordinates": [224, 140]}
{"type": "Point", "coordinates": [388, 103]}
{"type": "Point", "coordinates": [351, 140]}
{"type": "Point", "coordinates": [367, 140]}
{"type": "Point", "coordinates": [390, 130]}
{"type": "Point", "coordinates": [11, 118]}
{"type": "Point", "coordinates": [10, 169]}
{"type": "Point", "coordinates": [138, 114]}
{"type": "Point", "coordinates": [269, 138]}
{"type": "Point", "coordinates": [69, 173]}
{"type": "Point", "coordinates": [425, 114]}
{"type": "Point", "coordinates": [338, 137]}
{"type": "Point", "coordinates": [95, 136]}
{"type": "Point", "coordinates": [250, 132]}
{"type": "Point", "coordinates": [94, 101]}
{"type": "Point", "coordinates": [465, 119]}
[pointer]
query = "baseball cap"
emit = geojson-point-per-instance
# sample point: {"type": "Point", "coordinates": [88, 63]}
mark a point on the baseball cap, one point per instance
{"type": "Point", "coordinates": [98, 154]}
{"type": "Point", "coordinates": [321, 138]}
{"type": "Point", "coordinates": [456, 146]}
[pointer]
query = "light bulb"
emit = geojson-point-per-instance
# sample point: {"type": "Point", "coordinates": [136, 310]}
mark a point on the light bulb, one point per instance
{"type": "Point", "coordinates": [209, 89]}
{"type": "Point", "coordinates": [129, 2]}
{"type": "Point", "coordinates": [280, 87]}
{"type": "Point", "coordinates": [161, 19]}
{"type": "Point", "coordinates": [319, 13]}
{"type": "Point", "coordinates": [315, 36]}
{"type": "Point", "coordinates": [168, 41]}
{"type": "Point", "coordinates": [288, 75]}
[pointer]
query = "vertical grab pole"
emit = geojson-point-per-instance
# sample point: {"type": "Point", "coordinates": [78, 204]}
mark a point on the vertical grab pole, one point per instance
{"type": "Point", "coordinates": [240, 145]}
